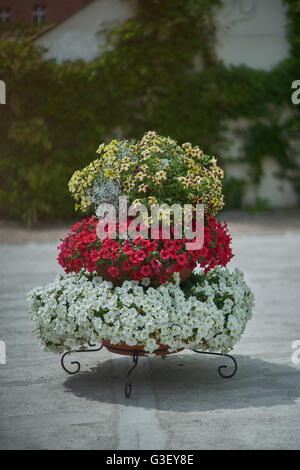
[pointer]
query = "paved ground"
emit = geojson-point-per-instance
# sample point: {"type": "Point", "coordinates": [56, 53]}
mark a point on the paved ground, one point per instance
{"type": "Point", "coordinates": [179, 403]}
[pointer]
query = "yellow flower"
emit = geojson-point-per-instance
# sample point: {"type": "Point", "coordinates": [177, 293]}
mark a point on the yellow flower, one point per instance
{"type": "Point", "coordinates": [110, 173]}
{"type": "Point", "coordinates": [197, 199]}
{"type": "Point", "coordinates": [140, 176]}
{"type": "Point", "coordinates": [100, 148]}
{"type": "Point", "coordinates": [136, 202]}
{"type": "Point", "coordinates": [143, 188]}
{"type": "Point", "coordinates": [160, 175]}
{"type": "Point", "coordinates": [152, 200]}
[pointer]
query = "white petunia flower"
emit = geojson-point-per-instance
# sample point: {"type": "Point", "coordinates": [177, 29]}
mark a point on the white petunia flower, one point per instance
{"type": "Point", "coordinates": [79, 308]}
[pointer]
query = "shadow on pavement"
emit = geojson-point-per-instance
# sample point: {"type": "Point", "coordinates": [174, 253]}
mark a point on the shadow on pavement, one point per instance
{"type": "Point", "coordinates": [184, 383]}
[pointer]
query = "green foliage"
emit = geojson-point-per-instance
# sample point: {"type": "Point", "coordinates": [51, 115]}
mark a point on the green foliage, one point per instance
{"type": "Point", "coordinates": [148, 67]}
{"type": "Point", "coordinates": [45, 131]}
{"type": "Point", "coordinates": [293, 25]}
{"type": "Point", "coordinates": [159, 71]}
{"type": "Point", "coordinates": [234, 190]}
{"type": "Point", "coordinates": [260, 205]}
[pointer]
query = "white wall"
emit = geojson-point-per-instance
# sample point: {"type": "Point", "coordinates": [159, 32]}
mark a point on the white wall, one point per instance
{"type": "Point", "coordinates": [278, 192]}
{"type": "Point", "coordinates": [252, 32]}
{"type": "Point", "coordinates": [75, 38]}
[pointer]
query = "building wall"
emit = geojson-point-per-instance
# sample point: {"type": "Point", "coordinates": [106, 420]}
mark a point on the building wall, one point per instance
{"type": "Point", "coordinates": [57, 10]}
{"type": "Point", "coordinates": [76, 38]}
{"type": "Point", "coordinates": [277, 192]}
{"type": "Point", "coordinates": [252, 32]}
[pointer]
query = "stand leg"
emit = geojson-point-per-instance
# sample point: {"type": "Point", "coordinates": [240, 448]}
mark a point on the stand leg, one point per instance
{"type": "Point", "coordinates": [76, 362]}
{"type": "Point", "coordinates": [128, 384]}
{"type": "Point", "coordinates": [221, 367]}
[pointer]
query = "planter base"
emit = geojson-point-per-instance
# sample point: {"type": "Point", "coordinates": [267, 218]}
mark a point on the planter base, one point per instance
{"type": "Point", "coordinates": [125, 350]}
{"type": "Point", "coordinates": [135, 353]}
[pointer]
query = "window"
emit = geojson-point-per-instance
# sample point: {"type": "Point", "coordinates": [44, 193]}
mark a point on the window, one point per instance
{"type": "Point", "coordinates": [39, 14]}
{"type": "Point", "coordinates": [5, 15]}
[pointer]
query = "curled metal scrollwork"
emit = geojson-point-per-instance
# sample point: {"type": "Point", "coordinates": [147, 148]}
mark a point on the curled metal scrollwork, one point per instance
{"type": "Point", "coordinates": [76, 362]}
{"type": "Point", "coordinates": [135, 358]}
{"type": "Point", "coordinates": [225, 376]}
{"type": "Point", "coordinates": [128, 384]}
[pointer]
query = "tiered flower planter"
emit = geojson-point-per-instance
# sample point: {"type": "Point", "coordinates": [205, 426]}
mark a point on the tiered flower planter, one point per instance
{"type": "Point", "coordinates": [141, 296]}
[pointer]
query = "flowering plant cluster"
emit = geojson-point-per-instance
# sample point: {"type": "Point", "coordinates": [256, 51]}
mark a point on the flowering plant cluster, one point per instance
{"type": "Point", "coordinates": [154, 170]}
{"type": "Point", "coordinates": [208, 311]}
{"type": "Point", "coordinates": [150, 299]}
{"type": "Point", "coordinates": [140, 258]}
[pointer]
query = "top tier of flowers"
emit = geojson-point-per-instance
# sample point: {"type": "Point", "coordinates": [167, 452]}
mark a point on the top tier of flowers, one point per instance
{"type": "Point", "coordinates": [153, 170]}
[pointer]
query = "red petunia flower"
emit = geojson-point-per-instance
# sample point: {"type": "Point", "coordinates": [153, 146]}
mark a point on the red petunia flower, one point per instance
{"type": "Point", "coordinates": [134, 260]}
{"type": "Point", "coordinates": [163, 279]}
{"type": "Point", "coordinates": [140, 255]}
{"type": "Point", "coordinates": [105, 254]}
{"type": "Point", "coordinates": [126, 265]}
{"type": "Point", "coordinates": [182, 259]}
{"type": "Point", "coordinates": [168, 245]}
{"type": "Point", "coordinates": [114, 255]}
{"type": "Point", "coordinates": [113, 271]}
{"type": "Point", "coordinates": [164, 254]}
{"type": "Point", "coordinates": [146, 270]}
{"type": "Point", "coordinates": [177, 245]}
{"type": "Point", "coordinates": [155, 263]}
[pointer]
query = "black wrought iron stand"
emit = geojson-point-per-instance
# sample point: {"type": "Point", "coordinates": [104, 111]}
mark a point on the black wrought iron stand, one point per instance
{"type": "Point", "coordinates": [221, 367]}
{"type": "Point", "coordinates": [135, 358]}
{"type": "Point", "coordinates": [76, 362]}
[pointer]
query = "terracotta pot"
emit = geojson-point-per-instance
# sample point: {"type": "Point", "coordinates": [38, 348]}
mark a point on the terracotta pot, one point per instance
{"type": "Point", "coordinates": [117, 281]}
{"type": "Point", "coordinates": [124, 350]}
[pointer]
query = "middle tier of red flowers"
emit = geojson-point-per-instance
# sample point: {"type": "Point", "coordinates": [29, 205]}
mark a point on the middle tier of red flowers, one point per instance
{"type": "Point", "coordinates": [140, 258]}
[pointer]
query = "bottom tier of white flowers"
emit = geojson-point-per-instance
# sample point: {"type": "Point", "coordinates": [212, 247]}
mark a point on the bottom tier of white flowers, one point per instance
{"type": "Point", "coordinates": [208, 312]}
